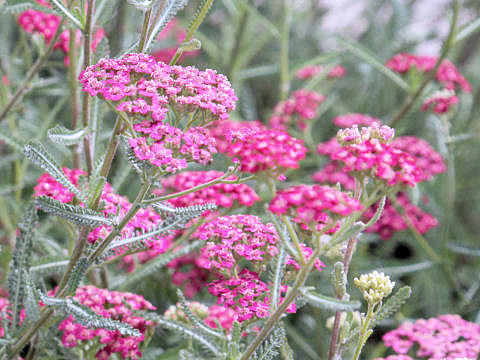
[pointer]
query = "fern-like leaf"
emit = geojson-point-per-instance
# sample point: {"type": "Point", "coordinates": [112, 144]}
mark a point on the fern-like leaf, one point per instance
{"type": "Point", "coordinates": [364, 54]}
{"type": "Point", "coordinates": [20, 264]}
{"type": "Point", "coordinates": [86, 316]}
{"type": "Point", "coordinates": [142, 5]}
{"type": "Point", "coordinates": [75, 214]}
{"type": "Point", "coordinates": [277, 275]}
{"type": "Point", "coordinates": [154, 265]}
{"type": "Point", "coordinates": [63, 136]}
{"type": "Point", "coordinates": [32, 309]}
{"type": "Point", "coordinates": [169, 10]}
{"type": "Point", "coordinates": [51, 267]}
{"type": "Point", "coordinates": [393, 304]}
{"type": "Point", "coordinates": [62, 10]}
{"type": "Point", "coordinates": [79, 271]}
{"type": "Point", "coordinates": [185, 331]}
{"type": "Point", "coordinates": [196, 321]}
{"type": "Point", "coordinates": [269, 349]}
{"type": "Point", "coordinates": [139, 165]}
{"type": "Point", "coordinates": [36, 153]}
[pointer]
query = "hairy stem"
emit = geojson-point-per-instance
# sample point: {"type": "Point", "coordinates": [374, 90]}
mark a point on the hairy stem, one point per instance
{"type": "Point", "coordinates": [23, 88]}
{"type": "Point", "coordinates": [143, 36]}
{"type": "Point", "coordinates": [289, 298]}
{"type": "Point", "coordinates": [72, 72]}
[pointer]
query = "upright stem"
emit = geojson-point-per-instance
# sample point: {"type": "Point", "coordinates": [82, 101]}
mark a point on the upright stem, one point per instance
{"type": "Point", "coordinates": [22, 89]}
{"type": "Point", "coordinates": [111, 148]}
{"type": "Point", "coordinates": [72, 71]}
{"type": "Point", "coordinates": [431, 75]}
{"type": "Point", "coordinates": [143, 36]}
{"type": "Point", "coordinates": [284, 44]}
{"type": "Point", "coordinates": [87, 33]}
{"type": "Point", "coordinates": [362, 338]}
{"type": "Point", "coordinates": [289, 298]}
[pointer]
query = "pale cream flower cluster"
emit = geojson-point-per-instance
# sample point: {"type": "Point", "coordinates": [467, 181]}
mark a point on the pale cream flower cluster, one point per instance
{"type": "Point", "coordinates": [374, 286]}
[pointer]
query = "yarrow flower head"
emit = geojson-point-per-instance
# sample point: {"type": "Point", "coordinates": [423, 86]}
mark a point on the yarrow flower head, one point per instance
{"type": "Point", "coordinates": [354, 135]}
{"type": "Point", "coordinates": [446, 337]}
{"type": "Point", "coordinates": [110, 304]}
{"type": "Point", "coordinates": [441, 101]}
{"type": "Point", "coordinates": [223, 195]}
{"type": "Point", "coordinates": [229, 239]}
{"type": "Point", "coordinates": [147, 89]}
{"type": "Point", "coordinates": [314, 207]}
{"type": "Point", "coordinates": [374, 286]}
{"type": "Point", "coordinates": [392, 221]}
{"type": "Point", "coordinates": [46, 24]}
{"type": "Point", "coordinates": [246, 294]}
{"type": "Point", "coordinates": [299, 108]}
{"type": "Point", "coordinates": [169, 148]}
{"type": "Point", "coordinates": [265, 150]}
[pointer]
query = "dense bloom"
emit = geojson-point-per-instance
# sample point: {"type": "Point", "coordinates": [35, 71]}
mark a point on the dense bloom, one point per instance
{"type": "Point", "coordinates": [426, 158]}
{"type": "Point", "coordinates": [246, 294]}
{"type": "Point", "coordinates": [46, 24]}
{"type": "Point", "coordinates": [441, 101]}
{"type": "Point", "coordinates": [446, 337]}
{"type": "Point", "coordinates": [314, 207]}
{"type": "Point", "coordinates": [374, 286]}
{"type": "Point", "coordinates": [112, 205]}
{"type": "Point", "coordinates": [189, 272]}
{"type": "Point", "coordinates": [262, 150]}
{"type": "Point", "coordinates": [392, 221]}
{"type": "Point", "coordinates": [229, 239]}
{"type": "Point", "coordinates": [146, 89]}
{"type": "Point", "coordinates": [348, 120]}
{"type": "Point", "coordinates": [447, 74]}
{"type": "Point", "coordinates": [332, 173]}
{"type": "Point", "coordinates": [299, 108]}
{"type": "Point", "coordinates": [169, 148]}
{"type": "Point", "coordinates": [223, 195]}
{"type": "Point", "coordinates": [111, 304]}
{"type": "Point", "coordinates": [229, 132]}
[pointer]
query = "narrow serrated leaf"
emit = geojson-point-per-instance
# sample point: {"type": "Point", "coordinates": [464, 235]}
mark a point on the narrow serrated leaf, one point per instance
{"type": "Point", "coordinates": [76, 214]}
{"type": "Point", "coordinates": [63, 136]}
{"type": "Point", "coordinates": [36, 153]}
{"type": "Point", "coordinates": [394, 302]}
{"type": "Point", "coordinates": [365, 54]}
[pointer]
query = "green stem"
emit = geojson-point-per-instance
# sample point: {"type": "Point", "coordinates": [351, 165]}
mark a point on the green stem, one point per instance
{"type": "Point", "coordinates": [196, 188]}
{"type": "Point", "coordinates": [111, 148]}
{"type": "Point", "coordinates": [363, 333]}
{"type": "Point", "coordinates": [191, 30]}
{"type": "Point", "coordinates": [72, 72]}
{"type": "Point", "coordinates": [86, 108]}
{"type": "Point", "coordinates": [22, 89]}
{"type": "Point", "coordinates": [295, 239]}
{"type": "Point", "coordinates": [143, 36]}
{"type": "Point", "coordinates": [284, 44]}
{"type": "Point", "coordinates": [289, 298]}
{"type": "Point", "coordinates": [447, 45]}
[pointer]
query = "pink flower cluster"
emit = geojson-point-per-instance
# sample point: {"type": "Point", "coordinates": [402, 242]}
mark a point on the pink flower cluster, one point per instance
{"type": "Point", "coordinates": [146, 89]}
{"type": "Point", "coordinates": [189, 272]}
{"type": "Point", "coordinates": [113, 204]}
{"type": "Point", "coordinates": [46, 24]}
{"type": "Point", "coordinates": [223, 195]}
{"type": "Point", "coordinates": [447, 75]}
{"type": "Point", "coordinates": [354, 135]}
{"type": "Point", "coordinates": [440, 101]}
{"type": "Point", "coordinates": [172, 30]}
{"type": "Point", "coordinates": [426, 158]}
{"type": "Point", "coordinates": [446, 337]}
{"type": "Point", "coordinates": [310, 71]}
{"type": "Point", "coordinates": [332, 173]}
{"type": "Point", "coordinates": [307, 254]}
{"type": "Point", "coordinates": [299, 108]}
{"type": "Point", "coordinates": [348, 120]}
{"type": "Point", "coordinates": [230, 239]}
{"type": "Point", "coordinates": [169, 148]}
{"type": "Point", "coordinates": [109, 304]}
{"type": "Point", "coordinates": [314, 207]}
{"type": "Point", "coordinates": [378, 159]}
{"type": "Point", "coordinates": [246, 294]}
{"type": "Point", "coordinates": [264, 150]}
{"type": "Point", "coordinates": [391, 221]}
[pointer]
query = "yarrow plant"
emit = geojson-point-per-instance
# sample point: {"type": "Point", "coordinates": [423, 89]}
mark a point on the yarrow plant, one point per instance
{"type": "Point", "coordinates": [201, 184]}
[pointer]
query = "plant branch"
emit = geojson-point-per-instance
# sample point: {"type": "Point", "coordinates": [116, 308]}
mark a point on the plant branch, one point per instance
{"type": "Point", "coordinates": [23, 88]}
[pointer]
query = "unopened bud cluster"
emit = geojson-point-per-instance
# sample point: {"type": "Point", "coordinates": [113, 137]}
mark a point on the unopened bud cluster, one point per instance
{"type": "Point", "coordinates": [354, 135]}
{"type": "Point", "coordinates": [374, 286]}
